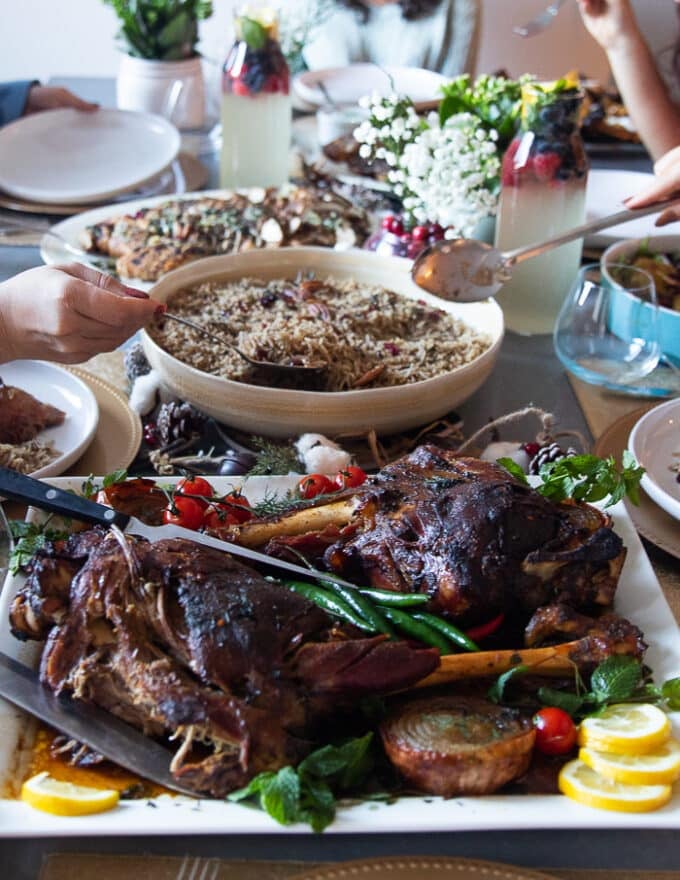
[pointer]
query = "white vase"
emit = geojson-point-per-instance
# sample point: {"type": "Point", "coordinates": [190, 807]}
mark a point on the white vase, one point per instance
{"type": "Point", "coordinates": [173, 89]}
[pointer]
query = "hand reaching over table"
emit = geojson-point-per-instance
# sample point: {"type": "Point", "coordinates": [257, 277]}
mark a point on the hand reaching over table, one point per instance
{"type": "Point", "coordinates": [52, 98]}
{"type": "Point", "coordinates": [68, 313]}
{"type": "Point", "coordinates": [666, 185]}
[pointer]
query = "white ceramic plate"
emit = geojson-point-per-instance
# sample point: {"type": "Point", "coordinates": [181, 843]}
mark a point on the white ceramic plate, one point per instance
{"type": "Point", "coordinates": [58, 387]}
{"type": "Point", "coordinates": [605, 193]}
{"type": "Point", "coordinates": [283, 412]}
{"type": "Point", "coordinates": [346, 85]}
{"type": "Point", "coordinates": [639, 598]}
{"type": "Point", "coordinates": [655, 443]}
{"type": "Point", "coordinates": [65, 157]}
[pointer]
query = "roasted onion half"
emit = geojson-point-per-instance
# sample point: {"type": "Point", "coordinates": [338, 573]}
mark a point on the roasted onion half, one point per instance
{"type": "Point", "coordinates": [457, 745]}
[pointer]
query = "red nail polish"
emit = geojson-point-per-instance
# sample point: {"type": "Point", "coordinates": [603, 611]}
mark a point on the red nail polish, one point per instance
{"type": "Point", "coordinates": [161, 309]}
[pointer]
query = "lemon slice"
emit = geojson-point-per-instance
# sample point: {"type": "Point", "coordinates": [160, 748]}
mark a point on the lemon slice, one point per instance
{"type": "Point", "coordinates": [655, 768]}
{"type": "Point", "coordinates": [64, 798]}
{"type": "Point", "coordinates": [626, 728]}
{"type": "Point", "coordinates": [580, 783]}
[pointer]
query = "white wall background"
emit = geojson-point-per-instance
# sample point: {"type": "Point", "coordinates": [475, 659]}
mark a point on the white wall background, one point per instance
{"type": "Point", "coordinates": [44, 38]}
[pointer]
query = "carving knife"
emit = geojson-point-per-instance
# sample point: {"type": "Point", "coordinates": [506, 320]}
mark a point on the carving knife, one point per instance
{"type": "Point", "coordinates": [98, 729]}
{"type": "Point", "coordinates": [28, 490]}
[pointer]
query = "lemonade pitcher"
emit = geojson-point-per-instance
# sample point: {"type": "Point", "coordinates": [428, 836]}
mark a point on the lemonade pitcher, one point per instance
{"type": "Point", "coordinates": [256, 106]}
{"type": "Point", "coordinates": [543, 193]}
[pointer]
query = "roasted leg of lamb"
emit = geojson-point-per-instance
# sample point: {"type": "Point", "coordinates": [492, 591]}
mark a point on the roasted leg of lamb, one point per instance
{"type": "Point", "coordinates": [184, 642]}
{"type": "Point", "coordinates": [462, 530]}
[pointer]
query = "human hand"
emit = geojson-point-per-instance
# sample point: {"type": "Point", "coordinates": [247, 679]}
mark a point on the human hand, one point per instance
{"type": "Point", "coordinates": [610, 22]}
{"type": "Point", "coordinates": [52, 98]}
{"type": "Point", "coordinates": [666, 185]}
{"type": "Point", "coordinates": [68, 313]}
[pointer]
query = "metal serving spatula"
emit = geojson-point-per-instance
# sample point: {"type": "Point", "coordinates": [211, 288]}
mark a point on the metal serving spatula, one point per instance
{"type": "Point", "coordinates": [101, 731]}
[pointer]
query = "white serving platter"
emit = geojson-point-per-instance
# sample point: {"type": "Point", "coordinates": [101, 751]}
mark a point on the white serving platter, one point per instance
{"type": "Point", "coordinates": [59, 387]}
{"type": "Point", "coordinates": [655, 443]}
{"type": "Point", "coordinates": [639, 598]}
{"type": "Point", "coordinates": [66, 156]}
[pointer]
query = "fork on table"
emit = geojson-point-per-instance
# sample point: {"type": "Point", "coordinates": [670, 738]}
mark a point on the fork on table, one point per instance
{"type": "Point", "coordinates": [542, 21]}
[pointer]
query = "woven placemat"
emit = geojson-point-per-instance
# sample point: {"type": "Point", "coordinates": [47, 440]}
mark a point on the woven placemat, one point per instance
{"type": "Point", "coordinates": [66, 866]}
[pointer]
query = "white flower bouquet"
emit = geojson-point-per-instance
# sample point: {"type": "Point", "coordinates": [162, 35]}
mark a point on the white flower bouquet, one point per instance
{"type": "Point", "coordinates": [445, 169]}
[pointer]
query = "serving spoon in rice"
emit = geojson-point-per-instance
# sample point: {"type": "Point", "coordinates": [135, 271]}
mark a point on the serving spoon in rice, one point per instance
{"type": "Point", "coordinates": [299, 373]}
{"type": "Point", "coordinates": [467, 270]}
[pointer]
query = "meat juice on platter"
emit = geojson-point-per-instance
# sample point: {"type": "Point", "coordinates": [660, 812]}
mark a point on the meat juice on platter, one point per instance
{"type": "Point", "coordinates": [543, 194]}
{"type": "Point", "coordinates": [246, 675]}
{"type": "Point", "coordinates": [256, 106]}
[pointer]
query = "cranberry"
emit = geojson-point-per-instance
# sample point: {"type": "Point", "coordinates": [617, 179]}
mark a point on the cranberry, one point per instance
{"type": "Point", "coordinates": [151, 436]}
{"type": "Point", "coordinates": [419, 233]}
{"type": "Point", "coordinates": [240, 88]}
{"type": "Point", "coordinates": [386, 222]}
{"type": "Point", "coordinates": [396, 227]}
{"type": "Point", "coordinates": [530, 448]}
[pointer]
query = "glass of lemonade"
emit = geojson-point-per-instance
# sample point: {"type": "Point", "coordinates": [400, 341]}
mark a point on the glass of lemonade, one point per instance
{"type": "Point", "coordinates": [543, 193]}
{"type": "Point", "coordinates": [256, 108]}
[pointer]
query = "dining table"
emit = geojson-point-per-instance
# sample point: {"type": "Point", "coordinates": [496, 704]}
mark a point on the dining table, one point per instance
{"type": "Point", "coordinates": [527, 373]}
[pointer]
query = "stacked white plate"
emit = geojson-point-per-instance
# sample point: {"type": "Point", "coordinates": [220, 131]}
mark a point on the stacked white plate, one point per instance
{"type": "Point", "coordinates": [67, 157]}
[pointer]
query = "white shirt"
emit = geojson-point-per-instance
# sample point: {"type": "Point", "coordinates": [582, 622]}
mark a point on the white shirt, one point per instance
{"type": "Point", "coordinates": [444, 41]}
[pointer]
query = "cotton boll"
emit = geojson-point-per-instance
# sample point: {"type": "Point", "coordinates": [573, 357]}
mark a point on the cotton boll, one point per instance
{"type": "Point", "coordinates": [144, 392]}
{"type": "Point", "coordinates": [321, 455]}
{"type": "Point", "coordinates": [507, 449]}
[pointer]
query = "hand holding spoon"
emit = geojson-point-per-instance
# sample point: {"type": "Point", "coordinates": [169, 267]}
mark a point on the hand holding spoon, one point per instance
{"type": "Point", "coordinates": [466, 270]}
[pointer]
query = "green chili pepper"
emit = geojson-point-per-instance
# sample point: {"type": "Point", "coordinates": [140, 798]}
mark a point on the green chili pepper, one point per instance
{"type": "Point", "coordinates": [363, 607]}
{"type": "Point", "coordinates": [394, 599]}
{"type": "Point", "coordinates": [417, 630]}
{"type": "Point", "coordinates": [447, 629]}
{"type": "Point", "coordinates": [329, 602]}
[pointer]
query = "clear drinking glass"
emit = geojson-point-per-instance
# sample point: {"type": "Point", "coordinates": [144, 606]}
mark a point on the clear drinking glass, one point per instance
{"type": "Point", "coordinates": [606, 331]}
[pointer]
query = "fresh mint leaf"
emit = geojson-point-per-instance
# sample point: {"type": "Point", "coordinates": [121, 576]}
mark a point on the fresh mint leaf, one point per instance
{"type": "Point", "coordinates": [589, 478]}
{"type": "Point", "coordinates": [29, 538]}
{"type": "Point", "coordinates": [571, 703]}
{"type": "Point", "coordinates": [670, 691]}
{"type": "Point", "coordinates": [617, 678]}
{"type": "Point", "coordinates": [118, 476]}
{"type": "Point", "coordinates": [307, 793]}
{"type": "Point", "coordinates": [346, 764]}
{"type": "Point", "coordinates": [513, 469]}
{"type": "Point", "coordinates": [496, 692]}
{"type": "Point", "coordinates": [252, 32]}
{"type": "Point", "coordinates": [280, 796]}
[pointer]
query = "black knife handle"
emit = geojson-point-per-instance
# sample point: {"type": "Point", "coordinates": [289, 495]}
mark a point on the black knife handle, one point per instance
{"type": "Point", "coordinates": [19, 487]}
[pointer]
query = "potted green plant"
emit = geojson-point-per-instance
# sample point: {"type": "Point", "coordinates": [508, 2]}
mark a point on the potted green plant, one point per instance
{"type": "Point", "coordinates": [160, 70]}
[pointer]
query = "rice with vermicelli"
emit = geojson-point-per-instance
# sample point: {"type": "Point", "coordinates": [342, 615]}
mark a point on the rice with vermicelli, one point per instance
{"type": "Point", "coordinates": [27, 457]}
{"type": "Point", "coordinates": [369, 336]}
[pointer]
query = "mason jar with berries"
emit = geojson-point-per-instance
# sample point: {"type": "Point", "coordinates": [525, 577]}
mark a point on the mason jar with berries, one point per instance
{"type": "Point", "coordinates": [543, 193]}
{"type": "Point", "coordinates": [396, 237]}
{"type": "Point", "coordinates": [256, 104]}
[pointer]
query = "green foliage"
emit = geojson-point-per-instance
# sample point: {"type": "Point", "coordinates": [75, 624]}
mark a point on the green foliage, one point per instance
{"type": "Point", "coordinates": [618, 679]}
{"type": "Point", "coordinates": [306, 793]}
{"type": "Point", "coordinates": [163, 30]}
{"type": "Point", "coordinates": [29, 538]}
{"type": "Point", "coordinates": [495, 100]}
{"type": "Point", "coordinates": [273, 458]}
{"type": "Point", "coordinates": [585, 478]}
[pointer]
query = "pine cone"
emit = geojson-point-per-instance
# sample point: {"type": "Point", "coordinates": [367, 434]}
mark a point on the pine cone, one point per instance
{"type": "Point", "coordinates": [178, 421]}
{"type": "Point", "coordinates": [135, 362]}
{"type": "Point", "coordinates": [547, 453]}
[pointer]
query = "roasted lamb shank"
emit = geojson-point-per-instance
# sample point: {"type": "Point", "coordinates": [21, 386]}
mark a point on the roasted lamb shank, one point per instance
{"type": "Point", "coordinates": [185, 642]}
{"type": "Point", "coordinates": [462, 530]}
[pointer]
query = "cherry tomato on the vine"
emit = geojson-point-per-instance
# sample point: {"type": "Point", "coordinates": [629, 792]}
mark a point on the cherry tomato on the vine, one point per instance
{"type": "Point", "coordinates": [185, 512]}
{"type": "Point", "coordinates": [219, 516]}
{"type": "Point", "coordinates": [313, 485]}
{"type": "Point", "coordinates": [198, 488]}
{"type": "Point", "coordinates": [238, 505]}
{"type": "Point", "coordinates": [350, 477]}
{"type": "Point", "coordinates": [555, 731]}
